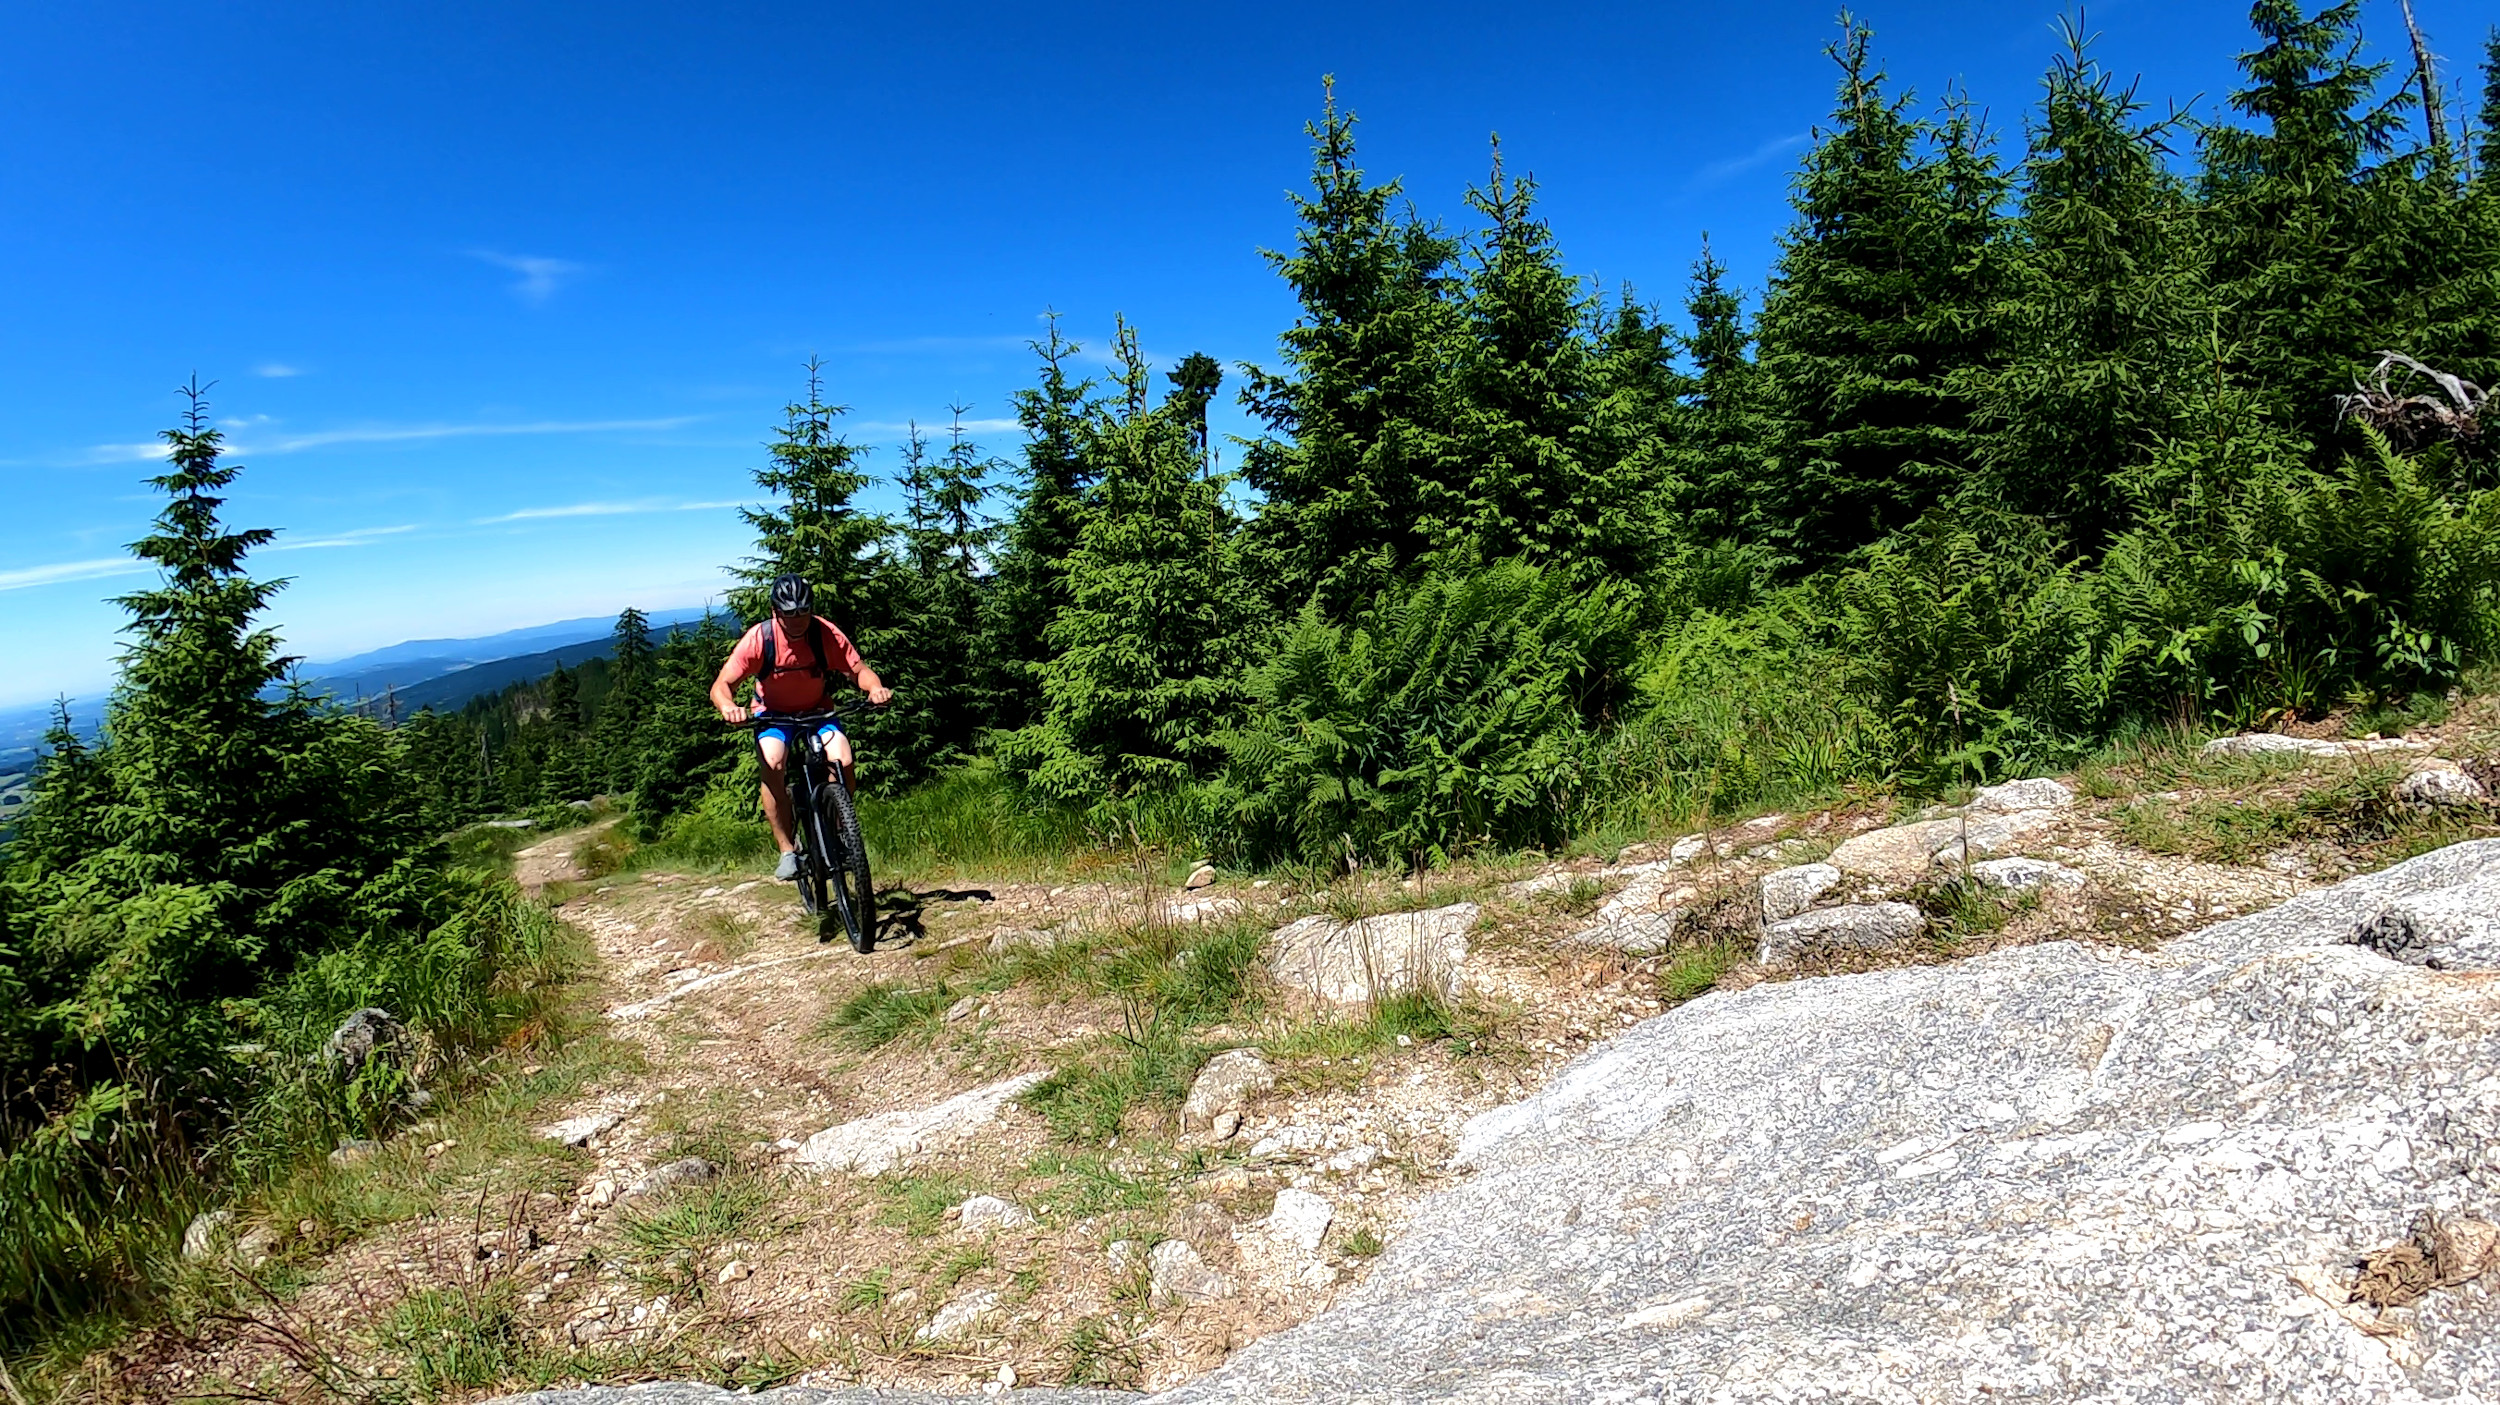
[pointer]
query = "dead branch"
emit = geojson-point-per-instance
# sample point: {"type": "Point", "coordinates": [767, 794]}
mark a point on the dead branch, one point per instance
{"type": "Point", "coordinates": [2410, 421]}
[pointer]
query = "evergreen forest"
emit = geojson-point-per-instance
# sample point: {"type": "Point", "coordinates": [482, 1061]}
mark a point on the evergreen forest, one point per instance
{"type": "Point", "coordinates": [2112, 420]}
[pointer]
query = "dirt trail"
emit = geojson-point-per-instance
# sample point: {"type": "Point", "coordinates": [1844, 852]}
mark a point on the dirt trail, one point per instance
{"type": "Point", "coordinates": [720, 1060]}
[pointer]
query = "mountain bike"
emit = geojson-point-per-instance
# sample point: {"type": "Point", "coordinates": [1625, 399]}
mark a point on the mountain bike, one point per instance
{"type": "Point", "coordinates": [833, 860]}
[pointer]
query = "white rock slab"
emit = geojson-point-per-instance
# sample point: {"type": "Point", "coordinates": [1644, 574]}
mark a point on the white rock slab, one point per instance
{"type": "Point", "coordinates": [875, 1145]}
{"type": "Point", "coordinates": [983, 1214]}
{"type": "Point", "coordinates": [2276, 744]}
{"type": "Point", "coordinates": [958, 1318]}
{"type": "Point", "coordinates": [2023, 875]}
{"type": "Point", "coordinates": [1352, 964]}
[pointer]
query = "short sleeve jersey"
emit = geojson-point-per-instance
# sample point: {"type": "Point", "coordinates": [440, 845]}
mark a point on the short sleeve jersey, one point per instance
{"type": "Point", "coordinates": [793, 685]}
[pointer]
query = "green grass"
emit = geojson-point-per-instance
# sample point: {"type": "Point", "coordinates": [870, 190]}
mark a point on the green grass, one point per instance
{"type": "Point", "coordinates": [1097, 1352]}
{"type": "Point", "coordinates": [2351, 807]}
{"type": "Point", "coordinates": [1693, 970]}
{"type": "Point", "coordinates": [668, 1241]}
{"type": "Point", "coordinates": [1093, 1183]}
{"type": "Point", "coordinates": [457, 1339]}
{"type": "Point", "coordinates": [917, 1205]}
{"type": "Point", "coordinates": [1363, 1243]}
{"type": "Point", "coordinates": [1136, 1076]}
{"type": "Point", "coordinates": [1420, 1016]}
{"type": "Point", "coordinates": [966, 819]}
{"type": "Point", "coordinates": [882, 1012]}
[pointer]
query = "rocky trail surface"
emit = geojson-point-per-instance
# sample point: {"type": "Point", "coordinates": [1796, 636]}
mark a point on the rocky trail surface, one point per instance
{"type": "Point", "coordinates": [1986, 1103]}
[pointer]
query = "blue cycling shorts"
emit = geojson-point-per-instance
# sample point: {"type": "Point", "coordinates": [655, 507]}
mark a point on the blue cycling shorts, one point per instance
{"type": "Point", "coordinates": [825, 733]}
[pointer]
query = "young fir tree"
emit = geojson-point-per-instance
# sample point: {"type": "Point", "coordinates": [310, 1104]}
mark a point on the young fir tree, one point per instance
{"type": "Point", "coordinates": [1355, 415]}
{"type": "Point", "coordinates": [233, 832]}
{"type": "Point", "coordinates": [1029, 585]}
{"type": "Point", "coordinates": [1721, 440]}
{"type": "Point", "coordinates": [2301, 271]}
{"type": "Point", "coordinates": [931, 635]}
{"type": "Point", "coordinates": [1522, 472]}
{"type": "Point", "coordinates": [628, 703]}
{"type": "Point", "coordinates": [1152, 642]}
{"type": "Point", "coordinates": [683, 749]}
{"type": "Point", "coordinates": [814, 528]}
{"type": "Point", "coordinates": [1875, 315]}
{"type": "Point", "coordinates": [2104, 312]}
{"type": "Point", "coordinates": [567, 771]}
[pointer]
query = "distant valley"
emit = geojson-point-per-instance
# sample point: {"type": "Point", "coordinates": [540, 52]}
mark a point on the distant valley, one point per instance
{"type": "Point", "coordinates": [437, 673]}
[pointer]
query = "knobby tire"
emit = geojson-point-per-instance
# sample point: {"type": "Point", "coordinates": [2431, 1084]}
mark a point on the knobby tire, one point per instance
{"type": "Point", "coordinates": [854, 893]}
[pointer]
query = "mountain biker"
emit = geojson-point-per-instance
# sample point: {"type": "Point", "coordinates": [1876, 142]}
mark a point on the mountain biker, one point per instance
{"type": "Point", "coordinates": [793, 656]}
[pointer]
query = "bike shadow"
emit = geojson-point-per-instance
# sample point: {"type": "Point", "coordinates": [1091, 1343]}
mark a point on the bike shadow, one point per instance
{"type": "Point", "coordinates": [902, 912]}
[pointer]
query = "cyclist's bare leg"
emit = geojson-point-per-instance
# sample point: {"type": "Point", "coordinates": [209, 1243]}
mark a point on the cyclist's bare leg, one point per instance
{"type": "Point", "coordinates": [842, 758]}
{"type": "Point", "coordinates": [774, 754]}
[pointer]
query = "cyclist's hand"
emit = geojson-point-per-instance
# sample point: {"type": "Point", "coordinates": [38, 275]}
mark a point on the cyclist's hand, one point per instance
{"type": "Point", "coordinates": [880, 696]}
{"type": "Point", "coordinates": [733, 714]}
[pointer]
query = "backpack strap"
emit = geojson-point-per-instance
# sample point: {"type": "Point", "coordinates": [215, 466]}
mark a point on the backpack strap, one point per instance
{"type": "Point", "coordinates": [815, 648]}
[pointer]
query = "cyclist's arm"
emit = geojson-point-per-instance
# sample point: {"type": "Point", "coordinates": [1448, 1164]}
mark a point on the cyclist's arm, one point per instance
{"type": "Point", "coordinates": [725, 687]}
{"type": "Point", "coordinates": [871, 684]}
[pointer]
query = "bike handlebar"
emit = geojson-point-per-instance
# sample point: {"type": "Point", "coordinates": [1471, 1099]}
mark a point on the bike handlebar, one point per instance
{"type": "Point", "coordinates": [757, 721]}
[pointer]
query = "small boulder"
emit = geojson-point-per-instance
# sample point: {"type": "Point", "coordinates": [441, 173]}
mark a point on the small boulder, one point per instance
{"type": "Point", "coordinates": [1177, 1275]}
{"type": "Point", "coordinates": [1203, 876]}
{"type": "Point", "coordinates": [959, 1317]}
{"type": "Point", "coordinates": [1634, 933]}
{"type": "Point", "coordinates": [691, 1170]}
{"type": "Point", "coordinates": [362, 1036]}
{"type": "Point", "coordinates": [206, 1234]}
{"type": "Point", "coordinates": [1300, 1218]}
{"type": "Point", "coordinates": [1353, 964]}
{"type": "Point", "coordinates": [2023, 875]}
{"type": "Point", "coordinates": [1790, 891]}
{"type": "Point", "coordinates": [1126, 1256]}
{"type": "Point", "coordinates": [2441, 787]}
{"type": "Point", "coordinates": [1899, 854]}
{"type": "Point", "coordinates": [2039, 794]}
{"type": "Point", "coordinates": [983, 1214]}
{"type": "Point", "coordinates": [257, 1245]}
{"type": "Point", "coordinates": [1188, 912]}
{"type": "Point", "coordinates": [1854, 927]}
{"type": "Point", "coordinates": [1226, 1084]}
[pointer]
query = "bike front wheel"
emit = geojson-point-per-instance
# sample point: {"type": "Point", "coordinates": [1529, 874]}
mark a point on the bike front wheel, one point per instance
{"type": "Point", "coordinates": [812, 894]}
{"type": "Point", "coordinates": [854, 894]}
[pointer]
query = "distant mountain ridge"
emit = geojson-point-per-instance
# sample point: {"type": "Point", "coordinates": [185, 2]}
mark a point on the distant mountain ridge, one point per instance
{"type": "Point", "coordinates": [437, 673]}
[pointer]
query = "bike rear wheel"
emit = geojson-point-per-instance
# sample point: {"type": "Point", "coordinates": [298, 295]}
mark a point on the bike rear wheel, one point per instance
{"type": "Point", "coordinates": [854, 894]}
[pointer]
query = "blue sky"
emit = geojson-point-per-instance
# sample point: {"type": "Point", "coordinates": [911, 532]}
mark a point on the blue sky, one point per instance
{"type": "Point", "coordinates": [501, 300]}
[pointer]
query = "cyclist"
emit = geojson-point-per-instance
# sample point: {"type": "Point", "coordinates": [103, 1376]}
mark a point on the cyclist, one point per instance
{"type": "Point", "coordinates": [793, 657]}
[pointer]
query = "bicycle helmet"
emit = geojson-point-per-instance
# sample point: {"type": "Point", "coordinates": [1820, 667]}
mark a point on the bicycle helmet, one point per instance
{"type": "Point", "coordinates": [792, 595]}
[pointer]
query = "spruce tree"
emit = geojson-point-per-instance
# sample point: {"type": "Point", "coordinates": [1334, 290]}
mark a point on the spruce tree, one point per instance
{"type": "Point", "coordinates": [1875, 318]}
{"type": "Point", "coordinates": [628, 701]}
{"type": "Point", "coordinates": [2104, 313]}
{"type": "Point", "coordinates": [1524, 471]}
{"type": "Point", "coordinates": [1151, 645]}
{"type": "Point", "coordinates": [1355, 416]}
{"type": "Point", "coordinates": [1721, 440]}
{"type": "Point", "coordinates": [2299, 270]}
{"type": "Point", "coordinates": [1030, 583]}
{"type": "Point", "coordinates": [928, 642]}
{"type": "Point", "coordinates": [814, 528]}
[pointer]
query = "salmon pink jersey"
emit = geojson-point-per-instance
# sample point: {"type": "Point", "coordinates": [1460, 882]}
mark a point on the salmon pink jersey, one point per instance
{"type": "Point", "coordinates": [794, 686]}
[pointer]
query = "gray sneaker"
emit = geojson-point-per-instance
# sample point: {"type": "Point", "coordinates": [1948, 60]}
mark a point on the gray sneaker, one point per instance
{"type": "Point", "coordinates": [789, 867]}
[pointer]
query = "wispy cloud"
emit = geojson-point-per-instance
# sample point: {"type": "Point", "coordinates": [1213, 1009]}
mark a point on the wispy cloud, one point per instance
{"type": "Point", "coordinates": [26, 577]}
{"type": "Point", "coordinates": [125, 453]}
{"type": "Point", "coordinates": [937, 429]}
{"type": "Point", "coordinates": [540, 277]}
{"type": "Point", "coordinates": [1762, 155]}
{"type": "Point", "coordinates": [361, 536]}
{"type": "Point", "coordinates": [385, 434]}
{"type": "Point", "coordinates": [277, 370]}
{"type": "Point", "coordinates": [404, 433]}
{"type": "Point", "coordinates": [604, 509]}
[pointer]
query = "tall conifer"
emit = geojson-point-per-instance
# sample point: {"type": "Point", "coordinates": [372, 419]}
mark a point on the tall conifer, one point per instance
{"type": "Point", "coordinates": [1355, 415]}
